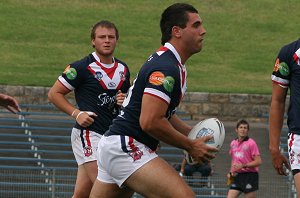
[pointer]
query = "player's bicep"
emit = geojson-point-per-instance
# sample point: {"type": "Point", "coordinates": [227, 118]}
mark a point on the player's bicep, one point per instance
{"type": "Point", "coordinates": [153, 109]}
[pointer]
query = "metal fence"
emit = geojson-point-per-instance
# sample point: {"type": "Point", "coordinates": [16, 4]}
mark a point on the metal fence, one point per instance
{"type": "Point", "coordinates": [35, 182]}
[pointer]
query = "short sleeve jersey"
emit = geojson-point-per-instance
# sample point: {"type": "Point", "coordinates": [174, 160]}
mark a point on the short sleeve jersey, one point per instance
{"type": "Point", "coordinates": [286, 73]}
{"type": "Point", "coordinates": [243, 153]}
{"type": "Point", "coordinates": [95, 88]}
{"type": "Point", "coordinates": [162, 76]}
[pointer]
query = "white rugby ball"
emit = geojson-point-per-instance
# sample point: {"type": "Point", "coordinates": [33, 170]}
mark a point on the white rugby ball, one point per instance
{"type": "Point", "coordinates": [210, 126]}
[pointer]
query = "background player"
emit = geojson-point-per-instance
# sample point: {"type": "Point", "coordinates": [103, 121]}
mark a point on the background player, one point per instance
{"type": "Point", "coordinates": [286, 74]}
{"type": "Point", "coordinates": [245, 162]}
{"type": "Point", "coordinates": [10, 103]}
{"type": "Point", "coordinates": [99, 81]}
{"type": "Point", "coordinates": [127, 151]}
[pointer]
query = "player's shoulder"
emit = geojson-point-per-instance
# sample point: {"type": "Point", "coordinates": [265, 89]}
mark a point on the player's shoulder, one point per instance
{"type": "Point", "coordinates": [84, 62]}
{"type": "Point", "coordinates": [291, 47]}
{"type": "Point", "coordinates": [121, 62]}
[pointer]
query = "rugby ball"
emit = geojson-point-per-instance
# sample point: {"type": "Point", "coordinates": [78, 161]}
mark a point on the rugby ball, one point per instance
{"type": "Point", "coordinates": [210, 126]}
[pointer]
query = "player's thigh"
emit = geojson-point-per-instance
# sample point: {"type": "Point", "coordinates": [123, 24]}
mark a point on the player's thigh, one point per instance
{"type": "Point", "coordinates": [157, 179]}
{"type": "Point", "coordinates": [297, 183]}
{"type": "Point", "coordinates": [250, 195]}
{"type": "Point", "coordinates": [83, 184]}
{"type": "Point", "coordinates": [109, 190]}
{"type": "Point", "coordinates": [233, 193]}
{"type": "Point", "coordinates": [91, 169]}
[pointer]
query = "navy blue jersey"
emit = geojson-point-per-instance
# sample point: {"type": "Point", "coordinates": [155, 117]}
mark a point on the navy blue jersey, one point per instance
{"type": "Point", "coordinates": [161, 76]}
{"type": "Point", "coordinates": [95, 88]}
{"type": "Point", "coordinates": [286, 73]}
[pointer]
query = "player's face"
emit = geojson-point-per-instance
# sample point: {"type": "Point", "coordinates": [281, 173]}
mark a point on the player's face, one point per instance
{"type": "Point", "coordinates": [105, 41]}
{"type": "Point", "coordinates": [193, 34]}
{"type": "Point", "coordinates": [242, 131]}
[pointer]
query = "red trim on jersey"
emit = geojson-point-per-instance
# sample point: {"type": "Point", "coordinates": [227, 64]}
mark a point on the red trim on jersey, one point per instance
{"type": "Point", "coordinates": [100, 81]}
{"type": "Point", "coordinates": [109, 71]}
{"type": "Point", "coordinates": [63, 85]}
{"type": "Point", "coordinates": [87, 136]}
{"type": "Point", "coordinates": [162, 48]}
{"type": "Point", "coordinates": [157, 97]}
{"type": "Point", "coordinates": [278, 83]}
{"type": "Point", "coordinates": [296, 58]}
{"type": "Point", "coordinates": [122, 80]}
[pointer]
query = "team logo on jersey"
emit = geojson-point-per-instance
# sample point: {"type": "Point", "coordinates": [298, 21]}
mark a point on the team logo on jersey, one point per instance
{"type": "Point", "coordinates": [136, 154]}
{"type": "Point", "coordinates": [87, 151]}
{"type": "Point", "coordinates": [157, 78]}
{"type": "Point", "coordinates": [71, 73]}
{"type": "Point", "coordinates": [169, 83]}
{"type": "Point", "coordinates": [122, 76]}
{"type": "Point", "coordinates": [98, 75]}
{"type": "Point", "coordinates": [284, 69]}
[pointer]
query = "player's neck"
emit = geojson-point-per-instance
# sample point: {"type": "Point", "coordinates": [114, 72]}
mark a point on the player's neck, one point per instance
{"type": "Point", "coordinates": [106, 59]}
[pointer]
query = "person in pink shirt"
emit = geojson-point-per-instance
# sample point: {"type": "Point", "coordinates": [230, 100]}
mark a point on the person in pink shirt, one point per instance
{"type": "Point", "coordinates": [244, 165]}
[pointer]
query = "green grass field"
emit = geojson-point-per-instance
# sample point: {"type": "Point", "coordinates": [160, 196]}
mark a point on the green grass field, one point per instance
{"type": "Point", "coordinates": [40, 37]}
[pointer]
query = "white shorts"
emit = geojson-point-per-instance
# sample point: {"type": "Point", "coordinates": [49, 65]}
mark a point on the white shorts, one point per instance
{"type": "Point", "coordinates": [294, 150]}
{"type": "Point", "coordinates": [119, 157]}
{"type": "Point", "coordinates": [84, 145]}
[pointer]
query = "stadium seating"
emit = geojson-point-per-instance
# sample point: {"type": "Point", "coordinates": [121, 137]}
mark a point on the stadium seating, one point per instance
{"type": "Point", "coordinates": [37, 160]}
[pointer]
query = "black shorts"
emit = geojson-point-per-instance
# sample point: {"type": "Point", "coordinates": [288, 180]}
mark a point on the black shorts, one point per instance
{"type": "Point", "coordinates": [245, 182]}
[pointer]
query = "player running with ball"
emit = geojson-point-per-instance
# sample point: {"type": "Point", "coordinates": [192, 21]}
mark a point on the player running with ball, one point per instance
{"type": "Point", "coordinates": [127, 159]}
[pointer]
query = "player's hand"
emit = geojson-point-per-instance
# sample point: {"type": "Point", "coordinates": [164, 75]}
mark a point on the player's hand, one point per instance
{"type": "Point", "coordinates": [9, 103]}
{"type": "Point", "coordinates": [85, 118]}
{"type": "Point", "coordinates": [200, 151]}
{"type": "Point", "coordinates": [120, 97]}
{"type": "Point", "coordinates": [280, 163]}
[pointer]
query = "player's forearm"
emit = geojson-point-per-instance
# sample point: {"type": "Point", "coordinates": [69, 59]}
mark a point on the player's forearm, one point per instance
{"type": "Point", "coordinates": [161, 129]}
{"type": "Point", "coordinates": [275, 122]}
{"type": "Point", "coordinates": [180, 125]}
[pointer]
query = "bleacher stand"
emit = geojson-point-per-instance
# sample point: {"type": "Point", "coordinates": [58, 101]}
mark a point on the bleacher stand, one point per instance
{"type": "Point", "coordinates": [37, 160]}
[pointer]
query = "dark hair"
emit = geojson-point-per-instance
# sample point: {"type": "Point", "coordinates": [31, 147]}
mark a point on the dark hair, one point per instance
{"type": "Point", "coordinates": [174, 15]}
{"type": "Point", "coordinates": [106, 24]}
{"type": "Point", "coordinates": [242, 121]}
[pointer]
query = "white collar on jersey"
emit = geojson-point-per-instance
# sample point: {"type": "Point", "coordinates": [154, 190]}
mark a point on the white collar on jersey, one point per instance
{"type": "Point", "coordinates": [172, 48]}
{"type": "Point", "coordinates": [104, 65]}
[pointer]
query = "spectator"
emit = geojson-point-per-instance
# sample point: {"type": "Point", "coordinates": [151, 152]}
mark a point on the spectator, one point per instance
{"type": "Point", "coordinates": [245, 162]}
{"type": "Point", "coordinates": [204, 169]}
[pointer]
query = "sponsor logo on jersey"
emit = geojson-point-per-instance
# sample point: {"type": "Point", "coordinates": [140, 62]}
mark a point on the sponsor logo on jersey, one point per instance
{"type": "Point", "coordinates": [88, 151]}
{"type": "Point", "coordinates": [66, 69]}
{"type": "Point", "coordinates": [71, 73]}
{"type": "Point", "coordinates": [112, 84]}
{"type": "Point", "coordinates": [98, 75]}
{"type": "Point", "coordinates": [169, 83]}
{"type": "Point", "coordinates": [276, 66]}
{"type": "Point", "coordinates": [157, 78]}
{"type": "Point", "coordinates": [284, 69]}
{"type": "Point", "coordinates": [106, 99]}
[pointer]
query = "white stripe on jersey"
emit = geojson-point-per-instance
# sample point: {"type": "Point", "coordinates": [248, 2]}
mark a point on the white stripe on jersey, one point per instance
{"type": "Point", "coordinates": [65, 83]}
{"type": "Point", "coordinates": [158, 93]}
{"type": "Point", "coordinates": [280, 81]}
{"type": "Point", "coordinates": [116, 79]}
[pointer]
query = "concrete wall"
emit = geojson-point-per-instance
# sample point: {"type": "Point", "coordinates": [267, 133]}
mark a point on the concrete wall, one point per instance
{"type": "Point", "coordinates": [195, 105]}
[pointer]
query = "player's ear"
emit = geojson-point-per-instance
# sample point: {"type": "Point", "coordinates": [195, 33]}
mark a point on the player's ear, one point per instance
{"type": "Point", "coordinates": [176, 31]}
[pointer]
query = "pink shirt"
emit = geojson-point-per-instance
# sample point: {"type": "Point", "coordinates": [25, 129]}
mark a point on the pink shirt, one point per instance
{"type": "Point", "coordinates": [243, 153]}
